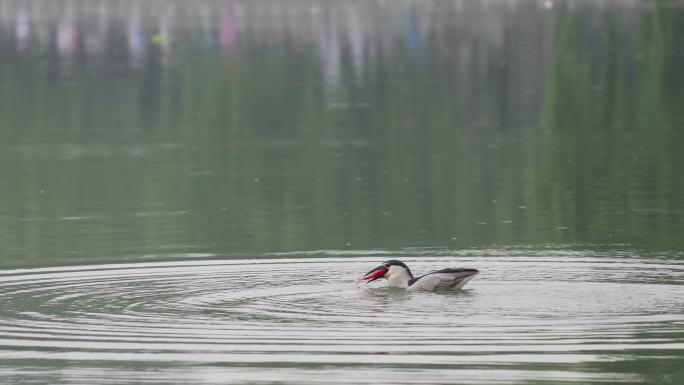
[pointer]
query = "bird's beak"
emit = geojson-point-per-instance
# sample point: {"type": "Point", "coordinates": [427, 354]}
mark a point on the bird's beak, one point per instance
{"type": "Point", "coordinates": [374, 274]}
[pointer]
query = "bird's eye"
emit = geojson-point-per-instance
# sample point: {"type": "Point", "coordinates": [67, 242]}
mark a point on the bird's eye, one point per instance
{"type": "Point", "coordinates": [387, 265]}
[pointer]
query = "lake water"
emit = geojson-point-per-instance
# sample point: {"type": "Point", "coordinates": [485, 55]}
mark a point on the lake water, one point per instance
{"type": "Point", "coordinates": [189, 189]}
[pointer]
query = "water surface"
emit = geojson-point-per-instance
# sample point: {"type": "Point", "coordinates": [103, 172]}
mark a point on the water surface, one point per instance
{"type": "Point", "coordinates": [551, 316]}
{"type": "Point", "coordinates": [189, 189]}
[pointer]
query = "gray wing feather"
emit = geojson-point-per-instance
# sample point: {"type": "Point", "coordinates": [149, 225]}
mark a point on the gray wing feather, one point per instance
{"type": "Point", "coordinates": [443, 280]}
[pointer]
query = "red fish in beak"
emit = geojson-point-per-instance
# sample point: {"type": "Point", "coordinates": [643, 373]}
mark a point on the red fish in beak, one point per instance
{"type": "Point", "coordinates": [374, 274]}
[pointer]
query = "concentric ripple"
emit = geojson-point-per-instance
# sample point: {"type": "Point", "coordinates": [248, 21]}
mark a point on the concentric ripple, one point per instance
{"type": "Point", "coordinates": [529, 316]}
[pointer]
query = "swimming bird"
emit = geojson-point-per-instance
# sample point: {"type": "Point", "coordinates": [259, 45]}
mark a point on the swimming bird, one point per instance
{"type": "Point", "coordinates": [399, 275]}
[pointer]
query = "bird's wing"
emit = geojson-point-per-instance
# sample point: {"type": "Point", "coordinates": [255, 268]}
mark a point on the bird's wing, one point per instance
{"type": "Point", "coordinates": [443, 279]}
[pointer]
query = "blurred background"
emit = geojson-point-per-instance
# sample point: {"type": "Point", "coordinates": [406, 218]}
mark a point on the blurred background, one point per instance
{"type": "Point", "coordinates": [136, 130]}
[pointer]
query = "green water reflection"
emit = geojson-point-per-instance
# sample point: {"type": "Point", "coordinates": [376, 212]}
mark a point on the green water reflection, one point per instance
{"type": "Point", "coordinates": [159, 128]}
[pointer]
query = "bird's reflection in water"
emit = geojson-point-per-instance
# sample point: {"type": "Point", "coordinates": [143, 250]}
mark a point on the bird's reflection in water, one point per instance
{"type": "Point", "coordinates": [382, 296]}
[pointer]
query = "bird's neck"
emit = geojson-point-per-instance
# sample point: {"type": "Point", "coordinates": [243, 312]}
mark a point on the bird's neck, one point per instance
{"type": "Point", "coordinates": [398, 277]}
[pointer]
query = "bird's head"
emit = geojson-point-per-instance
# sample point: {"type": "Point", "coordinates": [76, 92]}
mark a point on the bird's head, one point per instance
{"type": "Point", "coordinates": [389, 270]}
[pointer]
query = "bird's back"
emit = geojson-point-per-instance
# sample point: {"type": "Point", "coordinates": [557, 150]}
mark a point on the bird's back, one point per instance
{"type": "Point", "coordinates": [445, 279]}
